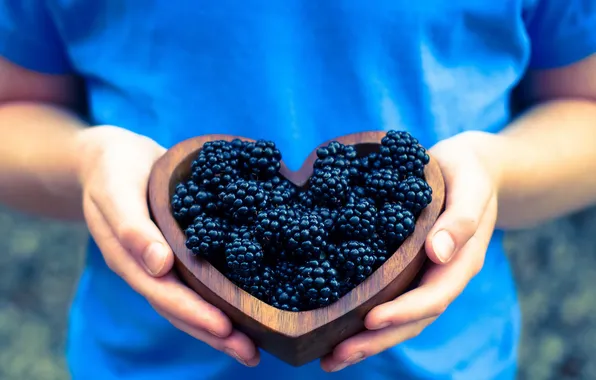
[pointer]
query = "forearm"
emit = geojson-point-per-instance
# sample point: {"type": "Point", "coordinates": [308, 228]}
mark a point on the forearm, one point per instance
{"type": "Point", "coordinates": [39, 155]}
{"type": "Point", "coordinates": [544, 162]}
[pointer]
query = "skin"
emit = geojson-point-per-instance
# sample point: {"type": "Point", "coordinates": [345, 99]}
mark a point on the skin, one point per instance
{"type": "Point", "coordinates": [513, 179]}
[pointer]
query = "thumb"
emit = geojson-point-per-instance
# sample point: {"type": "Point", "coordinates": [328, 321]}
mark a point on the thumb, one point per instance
{"type": "Point", "coordinates": [123, 203]}
{"type": "Point", "coordinates": [129, 220]}
{"type": "Point", "coordinates": [146, 243]}
{"type": "Point", "coordinates": [468, 191]}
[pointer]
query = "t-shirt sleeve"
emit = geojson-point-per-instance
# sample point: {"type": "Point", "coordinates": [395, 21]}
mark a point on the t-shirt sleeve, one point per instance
{"type": "Point", "coordinates": [29, 37]}
{"type": "Point", "coordinates": [561, 32]}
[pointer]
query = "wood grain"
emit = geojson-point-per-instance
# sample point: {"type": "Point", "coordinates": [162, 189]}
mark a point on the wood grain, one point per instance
{"type": "Point", "coordinates": [294, 337]}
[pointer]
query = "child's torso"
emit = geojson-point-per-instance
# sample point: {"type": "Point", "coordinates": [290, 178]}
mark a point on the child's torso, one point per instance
{"type": "Point", "coordinates": [298, 71]}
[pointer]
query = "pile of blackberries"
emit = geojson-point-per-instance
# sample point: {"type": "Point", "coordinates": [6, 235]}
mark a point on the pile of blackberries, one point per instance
{"type": "Point", "coordinates": [301, 248]}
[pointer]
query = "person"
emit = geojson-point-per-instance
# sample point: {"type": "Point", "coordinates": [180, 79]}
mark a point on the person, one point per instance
{"type": "Point", "coordinates": [94, 92]}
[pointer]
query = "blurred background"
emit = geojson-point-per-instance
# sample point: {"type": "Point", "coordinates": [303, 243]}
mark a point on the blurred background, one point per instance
{"type": "Point", "coordinates": [555, 266]}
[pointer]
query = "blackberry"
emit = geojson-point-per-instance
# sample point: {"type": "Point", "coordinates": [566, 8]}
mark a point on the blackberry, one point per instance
{"type": "Point", "coordinates": [216, 164]}
{"type": "Point", "coordinates": [382, 184]}
{"type": "Point", "coordinates": [368, 163]}
{"type": "Point", "coordinates": [355, 259]}
{"type": "Point", "coordinates": [357, 220]}
{"type": "Point", "coordinates": [184, 206]}
{"type": "Point", "coordinates": [365, 165]}
{"type": "Point", "coordinates": [205, 237]}
{"type": "Point", "coordinates": [189, 201]}
{"type": "Point", "coordinates": [357, 192]}
{"type": "Point", "coordinates": [395, 223]}
{"type": "Point", "coordinates": [238, 232]}
{"type": "Point", "coordinates": [286, 297]}
{"type": "Point", "coordinates": [379, 250]}
{"type": "Point", "coordinates": [262, 284]}
{"type": "Point", "coordinates": [306, 236]}
{"type": "Point", "coordinates": [401, 151]}
{"type": "Point", "coordinates": [207, 201]}
{"type": "Point", "coordinates": [260, 159]}
{"type": "Point", "coordinates": [271, 183]}
{"type": "Point", "coordinates": [285, 271]}
{"type": "Point", "coordinates": [238, 145]}
{"type": "Point", "coordinates": [330, 255]}
{"type": "Point", "coordinates": [283, 194]}
{"type": "Point", "coordinates": [271, 224]}
{"type": "Point", "coordinates": [306, 199]}
{"type": "Point", "coordinates": [414, 194]}
{"type": "Point", "coordinates": [346, 285]}
{"type": "Point", "coordinates": [244, 257]}
{"type": "Point", "coordinates": [241, 281]}
{"type": "Point", "coordinates": [337, 155]}
{"type": "Point", "coordinates": [329, 186]}
{"type": "Point", "coordinates": [318, 283]}
{"type": "Point", "coordinates": [243, 199]}
{"type": "Point", "coordinates": [279, 190]}
{"type": "Point", "coordinates": [328, 215]}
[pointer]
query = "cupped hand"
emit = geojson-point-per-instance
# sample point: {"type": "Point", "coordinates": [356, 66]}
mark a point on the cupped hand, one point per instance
{"type": "Point", "coordinates": [114, 172]}
{"type": "Point", "coordinates": [456, 246]}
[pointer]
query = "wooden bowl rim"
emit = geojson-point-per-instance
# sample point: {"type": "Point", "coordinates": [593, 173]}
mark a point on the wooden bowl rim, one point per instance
{"type": "Point", "coordinates": [294, 323]}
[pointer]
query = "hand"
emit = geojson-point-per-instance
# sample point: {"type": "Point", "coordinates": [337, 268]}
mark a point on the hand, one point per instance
{"type": "Point", "coordinates": [114, 174]}
{"type": "Point", "coordinates": [456, 245]}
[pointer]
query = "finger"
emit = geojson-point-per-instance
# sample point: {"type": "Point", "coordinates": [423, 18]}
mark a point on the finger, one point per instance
{"type": "Point", "coordinates": [165, 293]}
{"type": "Point", "coordinates": [440, 285]}
{"type": "Point", "coordinates": [237, 345]}
{"type": "Point", "coordinates": [468, 190]}
{"type": "Point", "coordinates": [123, 203]}
{"type": "Point", "coordinates": [370, 343]}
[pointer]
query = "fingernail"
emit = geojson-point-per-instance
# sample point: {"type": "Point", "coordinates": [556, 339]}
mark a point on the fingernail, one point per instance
{"type": "Point", "coordinates": [154, 258]}
{"type": "Point", "coordinates": [216, 334]}
{"type": "Point", "coordinates": [340, 367]}
{"type": "Point", "coordinates": [382, 325]}
{"type": "Point", "coordinates": [233, 354]}
{"type": "Point", "coordinates": [355, 358]}
{"type": "Point", "coordinates": [443, 245]}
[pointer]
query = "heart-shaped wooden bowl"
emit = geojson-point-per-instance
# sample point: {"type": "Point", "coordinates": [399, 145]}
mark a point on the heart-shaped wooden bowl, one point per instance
{"type": "Point", "coordinates": [294, 337]}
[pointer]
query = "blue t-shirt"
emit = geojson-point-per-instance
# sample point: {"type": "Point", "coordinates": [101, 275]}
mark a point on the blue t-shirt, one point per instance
{"type": "Point", "coordinates": [298, 72]}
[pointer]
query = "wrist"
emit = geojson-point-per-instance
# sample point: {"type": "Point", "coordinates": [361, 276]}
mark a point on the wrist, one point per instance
{"type": "Point", "coordinates": [491, 151]}
{"type": "Point", "coordinates": [91, 143]}
{"type": "Point", "coordinates": [94, 143]}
